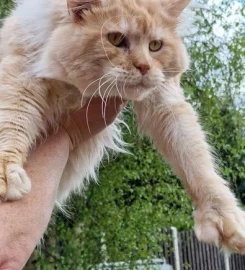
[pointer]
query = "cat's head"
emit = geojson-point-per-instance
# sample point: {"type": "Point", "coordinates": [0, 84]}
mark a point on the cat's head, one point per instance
{"type": "Point", "coordinates": [126, 48]}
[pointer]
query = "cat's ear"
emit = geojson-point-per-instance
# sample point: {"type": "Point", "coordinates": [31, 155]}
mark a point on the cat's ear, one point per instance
{"type": "Point", "coordinates": [77, 8]}
{"type": "Point", "coordinates": [176, 7]}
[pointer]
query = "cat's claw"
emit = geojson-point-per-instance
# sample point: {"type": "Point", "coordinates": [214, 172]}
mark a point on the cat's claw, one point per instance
{"type": "Point", "coordinates": [15, 184]}
{"type": "Point", "coordinates": [225, 228]}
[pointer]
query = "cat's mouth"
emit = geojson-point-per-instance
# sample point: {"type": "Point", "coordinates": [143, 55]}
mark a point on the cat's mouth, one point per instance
{"type": "Point", "coordinates": [141, 85]}
{"type": "Point", "coordinates": [137, 85]}
{"type": "Point", "coordinates": [144, 85]}
{"type": "Point", "coordinates": [139, 82]}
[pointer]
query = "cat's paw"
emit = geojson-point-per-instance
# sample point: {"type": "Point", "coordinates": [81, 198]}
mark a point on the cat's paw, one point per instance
{"type": "Point", "coordinates": [14, 183]}
{"type": "Point", "coordinates": [215, 226]}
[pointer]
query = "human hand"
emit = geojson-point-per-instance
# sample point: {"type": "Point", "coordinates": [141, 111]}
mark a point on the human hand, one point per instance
{"type": "Point", "coordinates": [90, 120]}
{"type": "Point", "coordinates": [23, 222]}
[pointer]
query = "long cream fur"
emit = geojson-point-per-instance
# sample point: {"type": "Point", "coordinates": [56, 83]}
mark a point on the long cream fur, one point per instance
{"type": "Point", "coordinates": [52, 59]}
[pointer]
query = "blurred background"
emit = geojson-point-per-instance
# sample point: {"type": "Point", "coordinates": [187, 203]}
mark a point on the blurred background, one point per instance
{"type": "Point", "coordinates": [124, 216]}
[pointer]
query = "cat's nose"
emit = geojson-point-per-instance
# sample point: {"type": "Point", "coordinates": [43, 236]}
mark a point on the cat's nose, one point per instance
{"type": "Point", "coordinates": [143, 68]}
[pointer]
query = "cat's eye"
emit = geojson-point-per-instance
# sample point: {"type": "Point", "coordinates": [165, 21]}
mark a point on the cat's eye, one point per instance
{"type": "Point", "coordinates": [155, 45]}
{"type": "Point", "coordinates": [117, 39]}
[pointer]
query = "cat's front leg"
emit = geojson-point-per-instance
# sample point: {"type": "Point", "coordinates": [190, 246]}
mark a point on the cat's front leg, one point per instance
{"type": "Point", "coordinates": [21, 102]}
{"type": "Point", "coordinates": [14, 146]}
{"type": "Point", "coordinates": [173, 125]}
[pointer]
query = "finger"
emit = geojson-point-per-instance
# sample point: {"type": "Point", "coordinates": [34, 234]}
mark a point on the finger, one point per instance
{"type": "Point", "coordinates": [107, 111]}
{"type": "Point", "coordinates": [90, 120]}
{"type": "Point", "coordinates": [113, 107]}
{"type": "Point", "coordinates": [97, 103]}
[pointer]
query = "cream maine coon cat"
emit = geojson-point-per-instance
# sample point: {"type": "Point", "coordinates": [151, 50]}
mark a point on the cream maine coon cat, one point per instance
{"type": "Point", "coordinates": [56, 53]}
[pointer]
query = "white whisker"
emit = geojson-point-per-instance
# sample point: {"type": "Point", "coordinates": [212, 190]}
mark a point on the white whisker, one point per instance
{"type": "Point", "coordinates": [92, 84]}
{"type": "Point", "coordinates": [88, 109]}
{"type": "Point", "coordinates": [104, 103]}
{"type": "Point", "coordinates": [100, 94]}
{"type": "Point", "coordinates": [109, 91]}
{"type": "Point", "coordinates": [118, 90]}
{"type": "Point", "coordinates": [123, 88]}
{"type": "Point", "coordinates": [101, 37]}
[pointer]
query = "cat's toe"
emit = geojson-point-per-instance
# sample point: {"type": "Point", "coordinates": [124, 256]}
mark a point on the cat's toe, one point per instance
{"type": "Point", "coordinates": [233, 234]}
{"type": "Point", "coordinates": [18, 182]}
{"type": "Point", "coordinates": [226, 229]}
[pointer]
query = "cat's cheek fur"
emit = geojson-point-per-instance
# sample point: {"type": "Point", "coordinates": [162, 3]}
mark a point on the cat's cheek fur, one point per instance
{"type": "Point", "coordinates": [52, 61]}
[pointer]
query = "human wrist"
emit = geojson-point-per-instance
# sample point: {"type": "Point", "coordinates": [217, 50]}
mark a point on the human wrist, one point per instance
{"type": "Point", "coordinates": [13, 256]}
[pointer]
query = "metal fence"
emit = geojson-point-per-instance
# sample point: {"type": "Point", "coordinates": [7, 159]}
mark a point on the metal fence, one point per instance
{"type": "Point", "coordinates": [184, 252]}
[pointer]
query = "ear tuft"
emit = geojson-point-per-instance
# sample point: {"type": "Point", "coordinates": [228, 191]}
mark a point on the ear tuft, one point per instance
{"type": "Point", "coordinates": [176, 7]}
{"type": "Point", "coordinates": [77, 8]}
